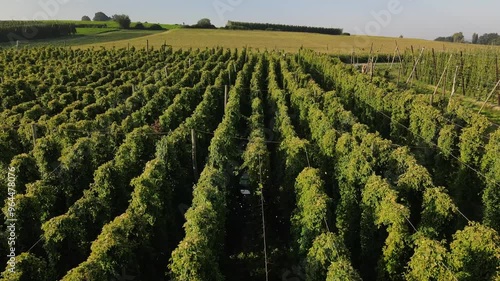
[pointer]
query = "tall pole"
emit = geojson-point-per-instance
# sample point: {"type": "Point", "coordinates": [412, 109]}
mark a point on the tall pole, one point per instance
{"type": "Point", "coordinates": [441, 79]}
{"type": "Point", "coordinates": [454, 84]}
{"type": "Point", "coordinates": [435, 66]}
{"type": "Point", "coordinates": [489, 96]}
{"type": "Point", "coordinates": [193, 154]}
{"type": "Point", "coordinates": [393, 59]}
{"type": "Point", "coordinates": [263, 218]}
{"type": "Point", "coordinates": [33, 130]}
{"type": "Point", "coordinates": [498, 76]}
{"type": "Point", "coordinates": [400, 62]}
{"type": "Point", "coordinates": [264, 233]}
{"type": "Point", "coordinates": [415, 67]}
{"type": "Point", "coordinates": [463, 72]}
{"type": "Point", "coordinates": [226, 92]}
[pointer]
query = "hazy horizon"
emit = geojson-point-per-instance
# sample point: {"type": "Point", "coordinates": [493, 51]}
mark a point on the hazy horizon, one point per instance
{"type": "Point", "coordinates": [413, 19]}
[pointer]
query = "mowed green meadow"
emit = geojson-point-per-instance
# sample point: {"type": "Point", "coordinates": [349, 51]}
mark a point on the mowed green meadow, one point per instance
{"type": "Point", "coordinates": [287, 41]}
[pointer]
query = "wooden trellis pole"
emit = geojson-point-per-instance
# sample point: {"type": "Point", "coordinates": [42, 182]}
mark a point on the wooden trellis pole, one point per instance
{"type": "Point", "coordinates": [454, 84]}
{"type": "Point", "coordinates": [193, 154]}
{"type": "Point", "coordinates": [414, 71]}
{"type": "Point", "coordinates": [412, 54]}
{"type": "Point", "coordinates": [33, 130]}
{"type": "Point", "coordinates": [498, 76]}
{"type": "Point", "coordinates": [441, 79]}
{"type": "Point", "coordinates": [462, 67]}
{"type": "Point", "coordinates": [435, 66]}
{"type": "Point", "coordinates": [489, 96]}
{"type": "Point", "coordinates": [400, 62]}
{"type": "Point", "coordinates": [226, 92]}
{"type": "Point", "coordinates": [393, 58]}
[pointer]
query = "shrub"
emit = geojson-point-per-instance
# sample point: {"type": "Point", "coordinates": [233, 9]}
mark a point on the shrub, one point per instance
{"type": "Point", "coordinates": [155, 27]}
{"type": "Point", "coordinates": [139, 25]}
{"type": "Point", "coordinates": [122, 20]}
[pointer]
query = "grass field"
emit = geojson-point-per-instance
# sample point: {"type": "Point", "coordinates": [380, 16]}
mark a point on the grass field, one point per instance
{"type": "Point", "coordinates": [291, 42]}
{"type": "Point", "coordinates": [94, 31]}
{"type": "Point", "coordinates": [96, 36]}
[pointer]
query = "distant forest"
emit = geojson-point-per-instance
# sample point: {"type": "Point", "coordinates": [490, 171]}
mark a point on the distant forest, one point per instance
{"type": "Point", "coordinates": [283, 27]}
{"type": "Point", "coordinates": [485, 39]}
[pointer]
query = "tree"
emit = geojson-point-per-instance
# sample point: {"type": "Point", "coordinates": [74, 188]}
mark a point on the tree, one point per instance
{"type": "Point", "coordinates": [489, 39]}
{"type": "Point", "coordinates": [458, 37]}
{"type": "Point", "coordinates": [100, 16]}
{"type": "Point", "coordinates": [204, 22]}
{"type": "Point", "coordinates": [475, 38]}
{"type": "Point", "coordinates": [85, 18]}
{"type": "Point", "coordinates": [122, 20]}
{"type": "Point", "coordinates": [155, 27]}
{"type": "Point", "coordinates": [444, 39]}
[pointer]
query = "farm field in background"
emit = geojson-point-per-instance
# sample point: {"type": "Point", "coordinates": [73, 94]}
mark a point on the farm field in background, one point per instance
{"type": "Point", "coordinates": [288, 41]}
{"type": "Point", "coordinates": [233, 164]}
{"type": "Point", "coordinates": [85, 36]}
{"type": "Point", "coordinates": [177, 37]}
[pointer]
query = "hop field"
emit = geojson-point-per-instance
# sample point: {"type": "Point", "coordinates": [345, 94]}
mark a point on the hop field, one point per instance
{"type": "Point", "coordinates": [232, 164]}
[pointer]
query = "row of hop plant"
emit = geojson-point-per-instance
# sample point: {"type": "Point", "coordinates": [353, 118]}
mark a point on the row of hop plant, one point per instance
{"type": "Point", "coordinates": [394, 189]}
{"type": "Point", "coordinates": [149, 219]}
{"type": "Point", "coordinates": [151, 207]}
{"type": "Point", "coordinates": [136, 149]}
{"type": "Point", "coordinates": [68, 104]}
{"type": "Point", "coordinates": [51, 166]}
{"type": "Point", "coordinates": [460, 144]}
{"type": "Point", "coordinates": [324, 253]}
{"type": "Point", "coordinates": [102, 213]}
{"type": "Point", "coordinates": [197, 257]}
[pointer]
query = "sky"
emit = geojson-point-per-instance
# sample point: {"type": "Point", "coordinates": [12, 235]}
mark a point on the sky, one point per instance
{"type": "Point", "coordinates": [426, 19]}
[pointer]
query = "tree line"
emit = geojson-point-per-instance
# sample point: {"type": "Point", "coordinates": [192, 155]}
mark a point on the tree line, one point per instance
{"type": "Point", "coordinates": [485, 39]}
{"type": "Point", "coordinates": [283, 27]}
{"type": "Point", "coordinates": [123, 21]}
